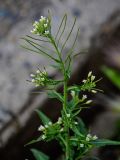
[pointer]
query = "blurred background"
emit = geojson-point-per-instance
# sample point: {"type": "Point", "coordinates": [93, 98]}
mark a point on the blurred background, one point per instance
{"type": "Point", "coordinates": [99, 22]}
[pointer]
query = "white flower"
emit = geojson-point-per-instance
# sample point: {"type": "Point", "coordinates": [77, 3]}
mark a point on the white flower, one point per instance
{"type": "Point", "coordinates": [32, 75]}
{"type": "Point", "coordinates": [59, 120]}
{"type": "Point", "coordinates": [68, 115]}
{"type": "Point", "coordinates": [76, 123]}
{"type": "Point", "coordinates": [88, 102]}
{"type": "Point", "coordinates": [46, 32]}
{"type": "Point", "coordinates": [61, 129]}
{"type": "Point", "coordinates": [50, 123]}
{"type": "Point", "coordinates": [45, 25]}
{"type": "Point", "coordinates": [31, 31]}
{"type": "Point", "coordinates": [42, 79]}
{"type": "Point", "coordinates": [81, 145]}
{"type": "Point", "coordinates": [93, 91]}
{"type": "Point", "coordinates": [94, 137]}
{"type": "Point", "coordinates": [43, 137]}
{"type": "Point", "coordinates": [89, 136]}
{"type": "Point", "coordinates": [41, 128]}
{"type": "Point", "coordinates": [46, 126]}
{"type": "Point", "coordinates": [44, 72]}
{"type": "Point", "coordinates": [73, 93]}
{"type": "Point", "coordinates": [84, 81]}
{"type": "Point", "coordinates": [92, 78]}
{"type": "Point", "coordinates": [36, 85]}
{"type": "Point", "coordinates": [37, 71]}
{"type": "Point", "coordinates": [90, 73]}
{"type": "Point", "coordinates": [87, 139]}
{"type": "Point", "coordinates": [33, 80]}
{"type": "Point", "coordinates": [84, 97]}
{"type": "Point", "coordinates": [42, 18]}
{"type": "Point", "coordinates": [35, 23]}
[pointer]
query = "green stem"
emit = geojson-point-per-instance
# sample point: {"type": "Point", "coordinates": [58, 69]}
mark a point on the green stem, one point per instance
{"type": "Point", "coordinates": [67, 154]}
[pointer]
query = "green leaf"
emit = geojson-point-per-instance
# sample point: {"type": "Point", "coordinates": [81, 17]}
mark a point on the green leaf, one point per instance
{"type": "Point", "coordinates": [57, 66]}
{"type": "Point", "coordinates": [61, 28]}
{"type": "Point", "coordinates": [38, 50]}
{"type": "Point", "coordinates": [113, 75]}
{"type": "Point", "coordinates": [56, 95]}
{"type": "Point", "coordinates": [76, 130]}
{"type": "Point", "coordinates": [43, 117]}
{"type": "Point", "coordinates": [104, 142]}
{"type": "Point", "coordinates": [39, 155]}
{"type": "Point", "coordinates": [73, 46]}
{"type": "Point", "coordinates": [37, 39]}
{"type": "Point", "coordinates": [74, 88]}
{"type": "Point", "coordinates": [63, 46]}
{"type": "Point", "coordinates": [81, 126]}
{"type": "Point", "coordinates": [34, 141]}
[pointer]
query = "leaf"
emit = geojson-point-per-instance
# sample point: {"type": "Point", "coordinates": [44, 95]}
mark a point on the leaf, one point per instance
{"type": "Point", "coordinates": [56, 95]}
{"type": "Point", "coordinates": [38, 50]}
{"type": "Point", "coordinates": [58, 66]}
{"type": "Point", "coordinates": [73, 46]}
{"type": "Point", "coordinates": [74, 88]}
{"type": "Point", "coordinates": [104, 142]}
{"type": "Point", "coordinates": [39, 45]}
{"type": "Point", "coordinates": [34, 141]}
{"type": "Point", "coordinates": [43, 117]}
{"type": "Point", "coordinates": [64, 25]}
{"type": "Point", "coordinates": [81, 126]}
{"type": "Point", "coordinates": [76, 130]}
{"type": "Point", "coordinates": [113, 75]}
{"type": "Point", "coordinates": [39, 155]}
{"type": "Point", "coordinates": [63, 46]}
{"type": "Point", "coordinates": [37, 39]}
{"type": "Point", "coordinates": [63, 22]}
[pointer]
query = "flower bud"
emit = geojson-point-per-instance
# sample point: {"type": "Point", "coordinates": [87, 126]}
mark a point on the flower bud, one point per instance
{"type": "Point", "coordinates": [90, 73]}
{"type": "Point", "coordinates": [89, 101]}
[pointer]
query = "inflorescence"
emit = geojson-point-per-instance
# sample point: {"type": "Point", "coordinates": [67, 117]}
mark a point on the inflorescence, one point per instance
{"type": "Point", "coordinates": [42, 27]}
{"type": "Point", "coordinates": [57, 128]}
{"type": "Point", "coordinates": [40, 78]}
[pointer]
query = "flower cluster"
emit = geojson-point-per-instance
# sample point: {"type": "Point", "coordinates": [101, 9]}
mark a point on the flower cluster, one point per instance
{"type": "Point", "coordinates": [88, 138]}
{"type": "Point", "coordinates": [50, 130]}
{"type": "Point", "coordinates": [84, 98]}
{"type": "Point", "coordinates": [89, 84]}
{"type": "Point", "coordinates": [42, 27]}
{"type": "Point", "coordinates": [80, 100]}
{"type": "Point", "coordinates": [40, 78]}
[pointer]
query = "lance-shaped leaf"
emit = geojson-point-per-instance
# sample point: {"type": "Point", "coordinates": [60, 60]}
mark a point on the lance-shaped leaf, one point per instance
{"type": "Point", "coordinates": [37, 39]}
{"type": "Point", "coordinates": [45, 120]}
{"type": "Point", "coordinates": [76, 130]}
{"type": "Point", "coordinates": [39, 45]}
{"type": "Point", "coordinates": [39, 155]}
{"type": "Point", "coordinates": [56, 95]}
{"type": "Point", "coordinates": [64, 25]}
{"type": "Point", "coordinates": [34, 141]}
{"type": "Point", "coordinates": [113, 75]}
{"type": "Point", "coordinates": [38, 50]}
{"type": "Point", "coordinates": [79, 53]}
{"type": "Point", "coordinates": [73, 46]}
{"type": "Point", "coordinates": [104, 142]}
{"type": "Point", "coordinates": [68, 35]}
{"type": "Point", "coordinates": [81, 127]}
